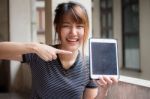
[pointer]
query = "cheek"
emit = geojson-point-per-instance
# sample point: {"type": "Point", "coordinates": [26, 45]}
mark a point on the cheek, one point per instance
{"type": "Point", "coordinates": [63, 33]}
{"type": "Point", "coordinates": [81, 34]}
{"type": "Point", "coordinates": [65, 30]}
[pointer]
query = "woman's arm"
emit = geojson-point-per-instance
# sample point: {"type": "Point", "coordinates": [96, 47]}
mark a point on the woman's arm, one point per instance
{"type": "Point", "coordinates": [94, 93]}
{"type": "Point", "coordinates": [104, 83]}
{"type": "Point", "coordinates": [15, 50]}
{"type": "Point", "coordinates": [90, 93]}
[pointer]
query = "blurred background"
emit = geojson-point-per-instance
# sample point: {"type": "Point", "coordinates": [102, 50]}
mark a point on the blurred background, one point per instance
{"type": "Point", "coordinates": [128, 21]}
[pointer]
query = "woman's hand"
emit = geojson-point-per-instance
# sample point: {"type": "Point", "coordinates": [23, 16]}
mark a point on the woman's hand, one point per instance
{"type": "Point", "coordinates": [15, 50]}
{"type": "Point", "coordinates": [104, 83]}
{"type": "Point", "coordinates": [48, 53]}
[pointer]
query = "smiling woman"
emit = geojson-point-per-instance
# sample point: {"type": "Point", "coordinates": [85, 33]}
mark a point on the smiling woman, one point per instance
{"type": "Point", "coordinates": [60, 71]}
{"type": "Point", "coordinates": [75, 20]}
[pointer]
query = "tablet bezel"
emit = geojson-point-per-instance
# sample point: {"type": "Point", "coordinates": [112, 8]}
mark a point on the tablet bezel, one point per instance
{"type": "Point", "coordinates": [97, 76]}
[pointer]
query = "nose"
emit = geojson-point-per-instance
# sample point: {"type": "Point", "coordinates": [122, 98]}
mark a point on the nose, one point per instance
{"type": "Point", "coordinates": [73, 30]}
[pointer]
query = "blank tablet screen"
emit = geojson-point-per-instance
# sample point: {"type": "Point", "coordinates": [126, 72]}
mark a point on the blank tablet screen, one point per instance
{"type": "Point", "coordinates": [104, 60]}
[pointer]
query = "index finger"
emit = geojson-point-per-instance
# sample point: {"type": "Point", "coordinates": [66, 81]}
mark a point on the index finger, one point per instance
{"type": "Point", "coordinates": [63, 51]}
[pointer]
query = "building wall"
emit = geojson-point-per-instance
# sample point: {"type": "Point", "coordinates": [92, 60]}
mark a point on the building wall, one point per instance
{"type": "Point", "coordinates": [96, 19]}
{"type": "Point", "coordinates": [145, 38]}
{"type": "Point", "coordinates": [128, 91]}
{"type": "Point", "coordinates": [117, 27]}
{"type": "Point", "coordinates": [4, 27]}
{"type": "Point", "coordinates": [4, 36]}
{"type": "Point", "coordinates": [144, 24]}
{"type": "Point", "coordinates": [20, 28]}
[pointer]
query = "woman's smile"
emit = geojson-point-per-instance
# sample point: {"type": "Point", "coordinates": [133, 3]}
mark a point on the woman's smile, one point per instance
{"type": "Point", "coordinates": [72, 40]}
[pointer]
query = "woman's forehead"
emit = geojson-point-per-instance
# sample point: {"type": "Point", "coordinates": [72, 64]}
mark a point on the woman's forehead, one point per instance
{"type": "Point", "coordinates": [70, 19]}
{"type": "Point", "coordinates": [67, 18]}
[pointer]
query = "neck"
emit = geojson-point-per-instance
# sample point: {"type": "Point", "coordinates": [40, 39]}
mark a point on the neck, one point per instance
{"type": "Point", "coordinates": [68, 60]}
{"type": "Point", "coordinates": [66, 57]}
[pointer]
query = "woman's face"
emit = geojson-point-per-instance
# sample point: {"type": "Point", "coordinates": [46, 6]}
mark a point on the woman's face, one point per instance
{"type": "Point", "coordinates": [71, 34]}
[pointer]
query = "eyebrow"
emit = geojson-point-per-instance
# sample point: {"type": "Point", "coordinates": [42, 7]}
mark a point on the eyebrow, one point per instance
{"type": "Point", "coordinates": [66, 22]}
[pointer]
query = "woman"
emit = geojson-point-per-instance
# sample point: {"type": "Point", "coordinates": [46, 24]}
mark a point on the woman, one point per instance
{"type": "Point", "coordinates": [60, 71]}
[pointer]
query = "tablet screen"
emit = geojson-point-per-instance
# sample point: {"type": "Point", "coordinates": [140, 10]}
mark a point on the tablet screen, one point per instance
{"type": "Point", "coordinates": [104, 58]}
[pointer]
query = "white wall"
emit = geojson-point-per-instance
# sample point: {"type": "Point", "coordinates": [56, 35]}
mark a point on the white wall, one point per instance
{"type": "Point", "coordinates": [96, 28]}
{"type": "Point", "coordinates": [20, 27]}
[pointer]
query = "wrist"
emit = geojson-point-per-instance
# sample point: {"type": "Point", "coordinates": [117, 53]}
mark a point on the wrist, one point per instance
{"type": "Point", "coordinates": [101, 94]}
{"type": "Point", "coordinates": [31, 47]}
{"type": "Point", "coordinates": [103, 91]}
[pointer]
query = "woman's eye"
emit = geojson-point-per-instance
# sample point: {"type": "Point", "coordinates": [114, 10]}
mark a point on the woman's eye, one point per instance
{"type": "Point", "coordinates": [80, 26]}
{"type": "Point", "coordinates": [66, 25]}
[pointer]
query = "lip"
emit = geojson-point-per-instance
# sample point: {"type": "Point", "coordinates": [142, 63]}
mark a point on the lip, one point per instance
{"type": "Point", "coordinates": [72, 40]}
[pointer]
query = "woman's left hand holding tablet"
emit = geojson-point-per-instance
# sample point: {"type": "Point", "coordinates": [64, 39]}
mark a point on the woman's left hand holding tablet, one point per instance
{"type": "Point", "coordinates": [104, 82]}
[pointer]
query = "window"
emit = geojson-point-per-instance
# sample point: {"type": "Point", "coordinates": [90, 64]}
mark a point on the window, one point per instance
{"type": "Point", "coordinates": [41, 20]}
{"type": "Point", "coordinates": [106, 18]}
{"type": "Point", "coordinates": [130, 13]}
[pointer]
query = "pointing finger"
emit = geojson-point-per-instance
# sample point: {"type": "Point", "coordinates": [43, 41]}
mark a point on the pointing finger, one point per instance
{"type": "Point", "coordinates": [63, 51]}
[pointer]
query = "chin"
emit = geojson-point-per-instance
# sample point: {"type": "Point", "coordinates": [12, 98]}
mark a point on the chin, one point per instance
{"type": "Point", "coordinates": [73, 48]}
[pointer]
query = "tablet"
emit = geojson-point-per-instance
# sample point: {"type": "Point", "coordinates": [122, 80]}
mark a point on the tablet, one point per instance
{"type": "Point", "coordinates": [103, 58]}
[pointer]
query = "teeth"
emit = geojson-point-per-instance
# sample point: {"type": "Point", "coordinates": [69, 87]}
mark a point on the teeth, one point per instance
{"type": "Point", "coordinates": [72, 40]}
